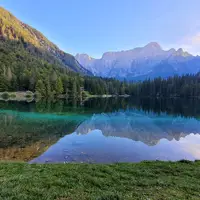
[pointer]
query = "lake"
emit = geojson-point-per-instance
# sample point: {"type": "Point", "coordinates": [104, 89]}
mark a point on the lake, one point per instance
{"type": "Point", "coordinates": [100, 130]}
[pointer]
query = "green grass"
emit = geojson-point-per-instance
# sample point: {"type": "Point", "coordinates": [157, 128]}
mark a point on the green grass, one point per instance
{"type": "Point", "coordinates": [146, 180]}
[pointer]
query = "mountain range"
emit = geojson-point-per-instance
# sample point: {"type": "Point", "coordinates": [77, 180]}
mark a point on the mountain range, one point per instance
{"type": "Point", "coordinates": [142, 63]}
{"type": "Point", "coordinates": [22, 45]}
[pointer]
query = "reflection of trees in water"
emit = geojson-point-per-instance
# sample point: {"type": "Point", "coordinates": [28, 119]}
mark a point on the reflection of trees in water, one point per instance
{"type": "Point", "coordinates": [49, 106]}
{"type": "Point", "coordinates": [181, 107]}
{"type": "Point", "coordinates": [26, 153]}
{"type": "Point", "coordinates": [28, 137]}
{"type": "Point", "coordinates": [24, 139]}
{"type": "Point", "coordinates": [178, 106]}
{"type": "Point", "coordinates": [24, 132]}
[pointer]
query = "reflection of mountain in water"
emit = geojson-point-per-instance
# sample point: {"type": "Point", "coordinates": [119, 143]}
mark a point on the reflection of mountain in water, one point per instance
{"type": "Point", "coordinates": [29, 129]}
{"type": "Point", "coordinates": [138, 126]}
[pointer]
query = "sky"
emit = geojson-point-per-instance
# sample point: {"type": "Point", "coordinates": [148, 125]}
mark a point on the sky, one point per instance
{"type": "Point", "coordinates": [98, 26]}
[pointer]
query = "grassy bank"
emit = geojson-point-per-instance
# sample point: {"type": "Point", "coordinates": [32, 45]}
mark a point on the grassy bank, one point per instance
{"type": "Point", "coordinates": [146, 180]}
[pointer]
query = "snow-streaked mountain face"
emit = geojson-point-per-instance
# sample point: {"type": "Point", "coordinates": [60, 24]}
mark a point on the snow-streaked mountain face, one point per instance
{"type": "Point", "coordinates": [140, 63]}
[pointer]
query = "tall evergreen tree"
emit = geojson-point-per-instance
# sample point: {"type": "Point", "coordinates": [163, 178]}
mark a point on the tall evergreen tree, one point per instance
{"type": "Point", "coordinates": [59, 86]}
{"type": "Point", "coordinates": [40, 88]}
{"type": "Point", "coordinates": [74, 89]}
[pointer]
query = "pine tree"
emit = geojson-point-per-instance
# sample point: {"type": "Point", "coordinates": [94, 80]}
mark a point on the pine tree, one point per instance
{"type": "Point", "coordinates": [54, 76]}
{"type": "Point", "coordinates": [40, 88]}
{"type": "Point", "coordinates": [74, 89]}
{"type": "Point", "coordinates": [3, 84]}
{"type": "Point", "coordinates": [48, 87]}
{"type": "Point", "coordinates": [59, 86]}
{"type": "Point", "coordinates": [9, 74]}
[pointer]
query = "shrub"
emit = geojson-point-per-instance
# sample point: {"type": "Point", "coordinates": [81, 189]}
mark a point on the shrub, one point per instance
{"type": "Point", "coordinates": [29, 94]}
{"type": "Point", "coordinates": [5, 95]}
{"type": "Point", "coordinates": [12, 95]}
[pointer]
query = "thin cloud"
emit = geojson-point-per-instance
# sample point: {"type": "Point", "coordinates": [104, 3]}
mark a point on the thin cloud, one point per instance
{"type": "Point", "coordinates": [191, 43]}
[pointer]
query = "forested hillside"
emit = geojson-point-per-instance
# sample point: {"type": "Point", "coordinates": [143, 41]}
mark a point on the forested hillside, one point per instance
{"type": "Point", "coordinates": [29, 61]}
{"type": "Point", "coordinates": [28, 68]}
{"type": "Point", "coordinates": [35, 43]}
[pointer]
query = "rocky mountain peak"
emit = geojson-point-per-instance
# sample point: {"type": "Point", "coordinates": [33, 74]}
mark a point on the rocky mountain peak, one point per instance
{"type": "Point", "coordinates": [144, 62]}
{"type": "Point", "coordinates": [181, 52]}
{"type": "Point", "coordinates": [83, 56]}
{"type": "Point", "coordinates": [153, 46]}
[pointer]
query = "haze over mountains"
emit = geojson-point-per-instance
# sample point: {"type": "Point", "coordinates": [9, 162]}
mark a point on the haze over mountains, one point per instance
{"type": "Point", "coordinates": [141, 63]}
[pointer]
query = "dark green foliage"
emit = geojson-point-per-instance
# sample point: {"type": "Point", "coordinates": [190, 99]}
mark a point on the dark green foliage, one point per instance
{"type": "Point", "coordinates": [59, 86]}
{"type": "Point", "coordinates": [178, 86]}
{"type": "Point", "coordinates": [3, 83]}
{"type": "Point", "coordinates": [40, 88]}
{"type": "Point", "coordinates": [12, 95]}
{"type": "Point", "coordinates": [21, 70]}
{"type": "Point", "coordinates": [29, 94]}
{"type": "Point", "coordinates": [5, 95]}
{"type": "Point", "coordinates": [101, 86]}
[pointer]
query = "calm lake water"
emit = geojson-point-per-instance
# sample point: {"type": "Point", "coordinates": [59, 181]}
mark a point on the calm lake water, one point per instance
{"type": "Point", "coordinates": [101, 130]}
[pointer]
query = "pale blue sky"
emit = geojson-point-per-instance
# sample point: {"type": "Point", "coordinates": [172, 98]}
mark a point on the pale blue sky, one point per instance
{"type": "Point", "coordinates": [97, 26]}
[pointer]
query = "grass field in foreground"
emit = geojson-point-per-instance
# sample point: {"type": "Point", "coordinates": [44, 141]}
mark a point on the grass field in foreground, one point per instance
{"type": "Point", "coordinates": [145, 180]}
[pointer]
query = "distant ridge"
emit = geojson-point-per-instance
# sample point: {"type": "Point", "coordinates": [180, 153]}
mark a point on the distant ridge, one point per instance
{"type": "Point", "coordinates": [142, 63]}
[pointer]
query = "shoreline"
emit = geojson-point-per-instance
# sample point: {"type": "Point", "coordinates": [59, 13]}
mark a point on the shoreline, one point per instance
{"type": "Point", "coordinates": [29, 96]}
{"type": "Point", "coordinates": [108, 96]}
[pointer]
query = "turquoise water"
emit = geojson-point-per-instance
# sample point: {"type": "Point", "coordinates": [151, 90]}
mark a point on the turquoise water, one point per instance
{"type": "Point", "coordinates": [100, 130]}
